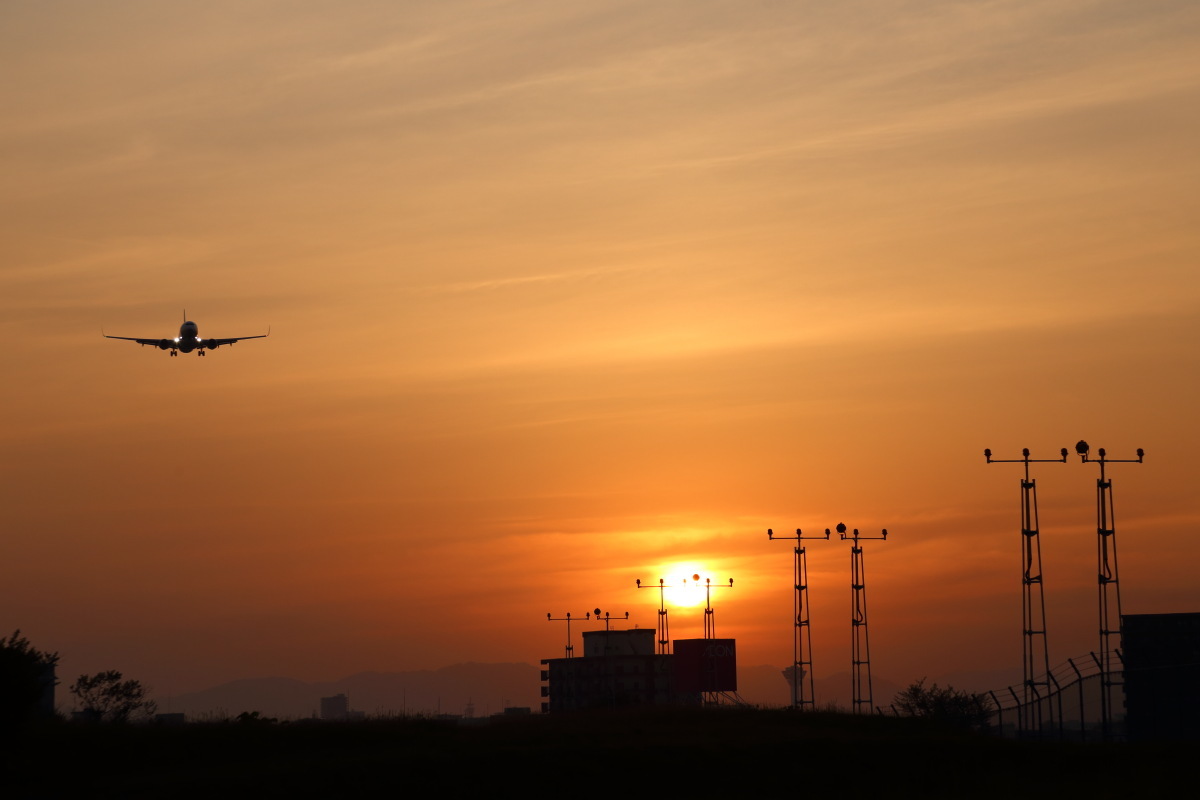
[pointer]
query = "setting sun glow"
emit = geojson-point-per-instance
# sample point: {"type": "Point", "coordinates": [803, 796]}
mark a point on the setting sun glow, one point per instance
{"type": "Point", "coordinates": [685, 584]}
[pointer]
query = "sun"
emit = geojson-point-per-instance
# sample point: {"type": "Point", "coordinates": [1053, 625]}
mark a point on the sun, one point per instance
{"type": "Point", "coordinates": [685, 584]}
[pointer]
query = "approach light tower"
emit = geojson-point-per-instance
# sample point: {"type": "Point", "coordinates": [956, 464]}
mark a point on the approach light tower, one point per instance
{"type": "Point", "coordinates": [710, 623]}
{"type": "Point", "coordinates": [608, 618]}
{"type": "Point", "coordinates": [568, 619]}
{"type": "Point", "coordinates": [1035, 653]}
{"type": "Point", "coordinates": [664, 639]}
{"type": "Point", "coordinates": [860, 644]}
{"type": "Point", "coordinates": [801, 630]}
{"type": "Point", "coordinates": [1107, 576]}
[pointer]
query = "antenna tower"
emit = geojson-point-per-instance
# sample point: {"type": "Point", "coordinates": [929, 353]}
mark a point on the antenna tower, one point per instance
{"type": "Point", "coordinates": [860, 644]}
{"type": "Point", "coordinates": [801, 631]}
{"type": "Point", "coordinates": [1035, 653]}
{"type": "Point", "coordinates": [1109, 583]}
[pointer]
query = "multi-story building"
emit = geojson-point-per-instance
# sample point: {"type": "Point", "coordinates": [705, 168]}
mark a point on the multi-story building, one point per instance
{"type": "Point", "coordinates": [335, 708]}
{"type": "Point", "coordinates": [620, 668]}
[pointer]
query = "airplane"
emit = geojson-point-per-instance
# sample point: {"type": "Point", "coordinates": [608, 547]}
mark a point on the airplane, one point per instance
{"type": "Point", "coordinates": [188, 339]}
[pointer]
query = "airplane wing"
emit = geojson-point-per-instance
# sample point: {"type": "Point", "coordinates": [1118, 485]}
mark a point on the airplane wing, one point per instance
{"type": "Point", "coordinates": [132, 339]}
{"type": "Point", "coordinates": [219, 342]}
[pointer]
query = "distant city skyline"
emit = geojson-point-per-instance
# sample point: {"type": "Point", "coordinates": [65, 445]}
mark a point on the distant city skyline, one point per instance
{"type": "Point", "coordinates": [563, 295]}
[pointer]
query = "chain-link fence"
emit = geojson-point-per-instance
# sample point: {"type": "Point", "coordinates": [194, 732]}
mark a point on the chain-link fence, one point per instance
{"type": "Point", "coordinates": [1072, 709]}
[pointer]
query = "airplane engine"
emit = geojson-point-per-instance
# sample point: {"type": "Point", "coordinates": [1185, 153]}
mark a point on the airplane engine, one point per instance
{"type": "Point", "coordinates": [166, 344]}
{"type": "Point", "coordinates": [211, 344]}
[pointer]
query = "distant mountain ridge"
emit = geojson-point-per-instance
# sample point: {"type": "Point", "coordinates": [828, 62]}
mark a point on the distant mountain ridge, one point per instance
{"type": "Point", "coordinates": [489, 688]}
{"type": "Point", "coordinates": [482, 688]}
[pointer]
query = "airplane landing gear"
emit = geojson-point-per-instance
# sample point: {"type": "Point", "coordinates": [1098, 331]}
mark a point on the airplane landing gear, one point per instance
{"type": "Point", "coordinates": [200, 353]}
{"type": "Point", "coordinates": [174, 353]}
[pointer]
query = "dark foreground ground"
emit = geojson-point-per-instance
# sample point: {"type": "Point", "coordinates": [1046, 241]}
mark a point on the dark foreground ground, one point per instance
{"type": "Point", "coordinates": [678, 753]}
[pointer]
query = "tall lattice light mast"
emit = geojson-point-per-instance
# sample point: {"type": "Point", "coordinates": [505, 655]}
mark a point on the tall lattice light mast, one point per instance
{"type": "Point", "coordinates": [710, 622]}
{"type": "Point", "coordinates": [1035, 652]}
{"type": "Point", "coordinates": [664, 638]}
{"type": "Point", "coordinates": [860, 643]}
{"type": "Point", "coordinates": [802, 676]}
{"type": "Point", "coordinates": [570, 653]}
{"type": "Point", "coordinates": [1109, 582]}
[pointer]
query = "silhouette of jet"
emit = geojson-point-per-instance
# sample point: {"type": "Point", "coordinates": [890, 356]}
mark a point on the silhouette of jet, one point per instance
{"type": "Point", "coordinates": [188, 339]}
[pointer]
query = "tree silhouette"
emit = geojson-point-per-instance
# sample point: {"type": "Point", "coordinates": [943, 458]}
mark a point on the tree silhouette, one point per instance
{"type": "Point", "coordinates": [951, 706]}
{"type": "Point", "coordinates": [105, 697]}
{"type": "Point", "coordinates": [26, 681]}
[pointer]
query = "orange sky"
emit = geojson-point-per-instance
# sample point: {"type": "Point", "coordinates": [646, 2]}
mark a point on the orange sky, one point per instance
{"type": "Point", "coordinates": [564, 292]}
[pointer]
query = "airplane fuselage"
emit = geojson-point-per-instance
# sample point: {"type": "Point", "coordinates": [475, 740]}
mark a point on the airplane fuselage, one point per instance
{"type": "Point", "coordinates": [189, 337]}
